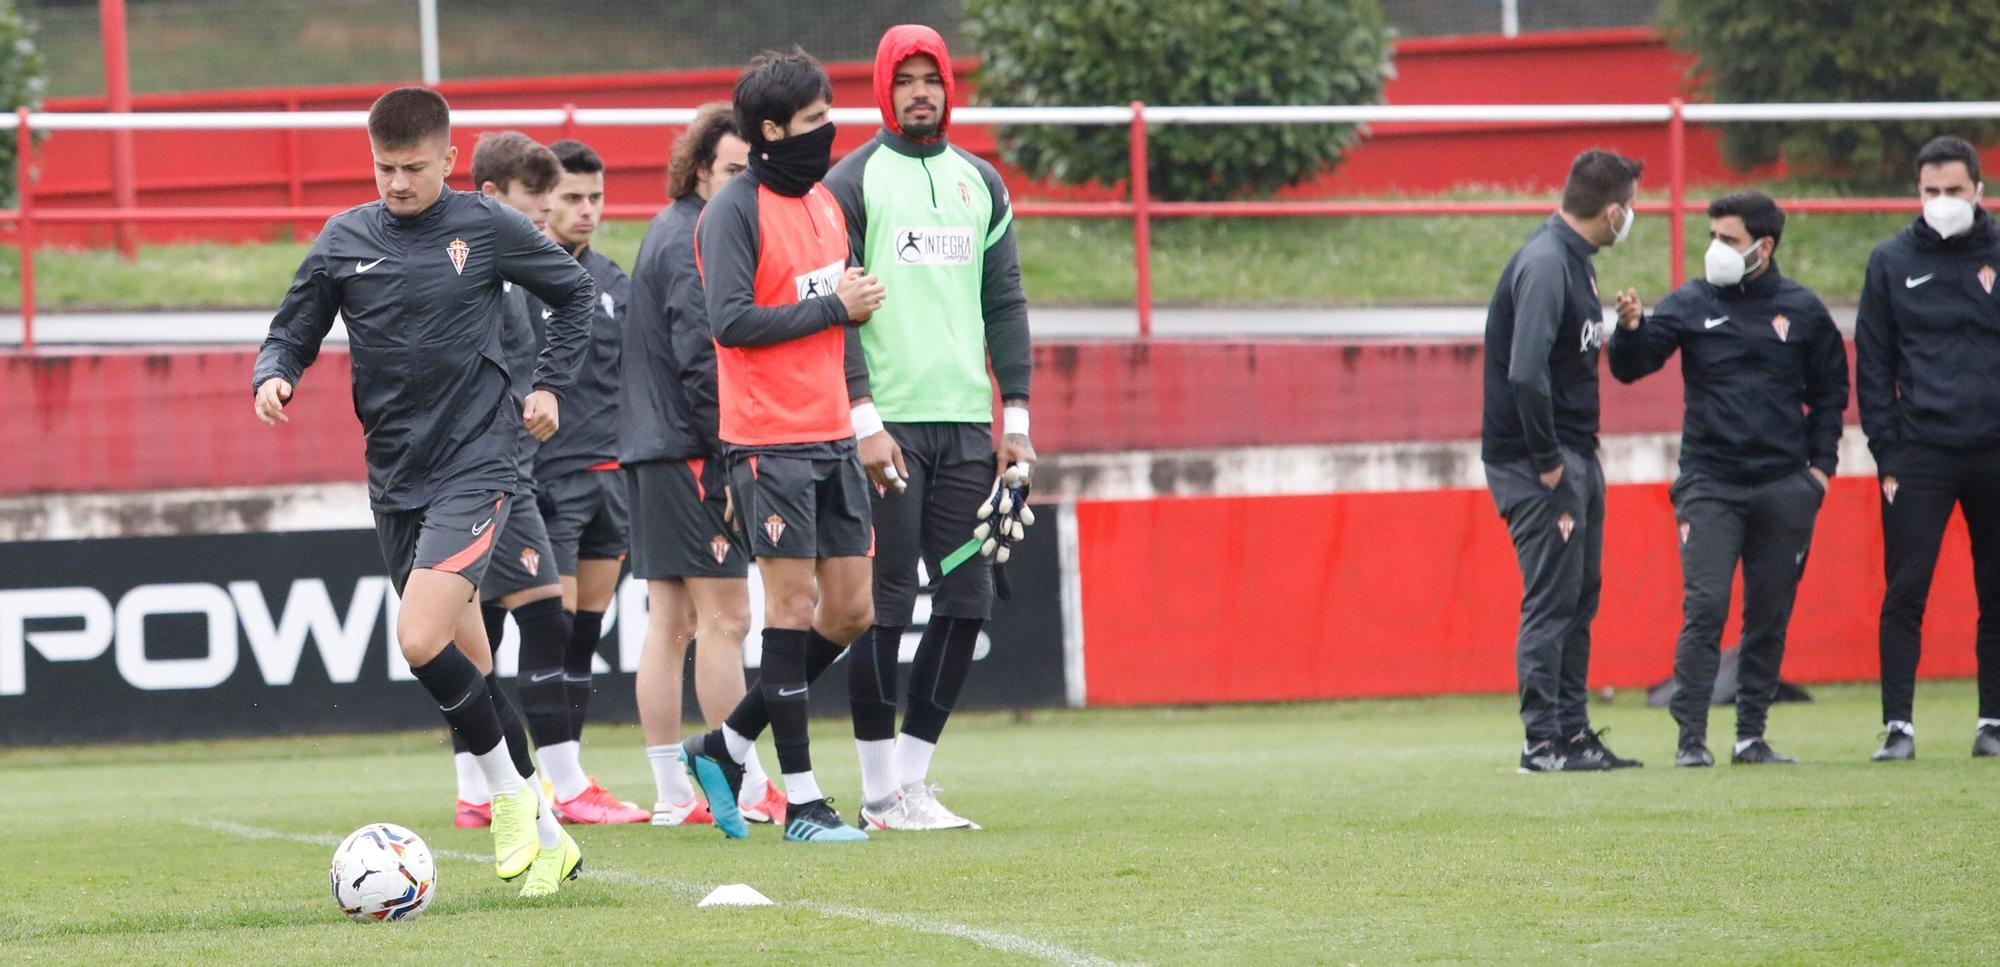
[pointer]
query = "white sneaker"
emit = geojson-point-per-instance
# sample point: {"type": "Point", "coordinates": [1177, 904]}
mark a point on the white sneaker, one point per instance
{"type": "Point", "coordinates": [889, 815]}
{"type": "Point", "coordinates": [922, 810]}
{"type": "Point", "coordinates": [694, 812]}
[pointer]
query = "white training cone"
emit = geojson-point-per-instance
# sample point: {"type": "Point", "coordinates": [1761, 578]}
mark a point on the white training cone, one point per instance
{"type": "Point", "coordinates": [735, 895]}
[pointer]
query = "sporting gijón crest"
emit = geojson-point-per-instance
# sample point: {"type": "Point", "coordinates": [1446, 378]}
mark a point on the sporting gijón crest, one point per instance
{"type": "Point", "coordinates": [719, 545]}
{"type": "Point", "coordinates": [1783, 326]}
{"type": "Point", "coordinates": [774, 528]}
{"type": "Point", "coordinates": [1986, 277]}
{"type": "Point", "coordinates": [458, 251]}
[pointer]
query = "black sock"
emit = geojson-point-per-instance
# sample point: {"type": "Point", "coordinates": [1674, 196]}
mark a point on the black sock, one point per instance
{"type": "Point", "coordinates": [495, 617]}
{"type": "Point", "coordinates": [545, 631]}
{"type": "Point", "coordinates": [871, 682]}
{"type": "Point", "coordinates": [457, 688]}
{"type": "Point", "coordinates": [943, 659]}
{"type": "Point", "coordinates": [510, 726]}
{"type": "Point", "coordinates": [821, 653]}
{"type": "Point", "coordinates": [752, 716]}
{"type": "Point", "coordinates": [783, 685]}
{"type": "Point", "coordinates": [585, 629]}
{"type": "Point", "coordinates": [457, 742]}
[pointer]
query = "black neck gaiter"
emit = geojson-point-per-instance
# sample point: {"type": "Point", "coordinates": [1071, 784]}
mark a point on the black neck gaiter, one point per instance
{"type": "Point", "coordinates": [792, 166]}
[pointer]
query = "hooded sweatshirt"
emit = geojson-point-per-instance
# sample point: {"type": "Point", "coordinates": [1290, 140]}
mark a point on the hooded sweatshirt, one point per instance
{"type": "Point", "coordinates": [932, 221]}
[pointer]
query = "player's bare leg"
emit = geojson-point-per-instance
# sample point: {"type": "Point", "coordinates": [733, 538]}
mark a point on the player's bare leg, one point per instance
{"type": "Point", "coordinates": [722, 623]}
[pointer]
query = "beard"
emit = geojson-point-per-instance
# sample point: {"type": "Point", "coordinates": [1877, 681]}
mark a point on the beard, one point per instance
{"type": "Point", "coordinates": [921, 130]}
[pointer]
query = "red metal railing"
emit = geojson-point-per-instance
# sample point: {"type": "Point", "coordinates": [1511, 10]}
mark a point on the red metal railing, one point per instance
{"type": "Point", "coordinates": [1140, 208]}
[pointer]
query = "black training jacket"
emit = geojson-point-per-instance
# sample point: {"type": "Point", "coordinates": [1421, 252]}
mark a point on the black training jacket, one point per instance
{"type": "Point", "coordinates": [421, 300]}
{"type": "Point", "coordinates": [1927, 341]}
{"type": "Point", "coordinates": [518, 340]}
{"type": "Point", "coordinates": [589, 432]}
{"type": "Point", "coordinates": [1765, 372]}
{"type": "Point", "coordinates": [1544, 329]}
{"type": "Point", "coordinates": [667, 408]}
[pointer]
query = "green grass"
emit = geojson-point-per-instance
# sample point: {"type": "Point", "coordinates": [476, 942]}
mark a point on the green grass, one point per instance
{"type": "Point", "coordinates": [1361, 832]}
{"type": "Point", "coordinates": [1071, 262]}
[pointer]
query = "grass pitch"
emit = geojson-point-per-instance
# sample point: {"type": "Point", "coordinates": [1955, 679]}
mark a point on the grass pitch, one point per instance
{"type": "Point", "coordinates": [1358, 832]}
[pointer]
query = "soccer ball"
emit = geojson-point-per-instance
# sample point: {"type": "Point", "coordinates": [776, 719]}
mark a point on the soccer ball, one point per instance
{"type": "Point", "coordinates": [383, 872]}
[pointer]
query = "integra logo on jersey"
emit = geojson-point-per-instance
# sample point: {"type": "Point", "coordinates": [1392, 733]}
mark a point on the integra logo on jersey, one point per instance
{"type": "Point", "coordinates": [934, 246]}
{"type": "Point", "coordinates": [819, 282]}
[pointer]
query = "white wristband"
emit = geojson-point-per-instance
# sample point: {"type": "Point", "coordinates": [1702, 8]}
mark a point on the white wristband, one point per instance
{"type": "Point", "coordinates": [866, 421]}
{"type": "Point", "coordinates": [1014, 421]}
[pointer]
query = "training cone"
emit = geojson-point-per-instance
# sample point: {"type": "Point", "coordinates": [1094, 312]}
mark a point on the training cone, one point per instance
{"type": "Point", "coordinates": [735, 895]}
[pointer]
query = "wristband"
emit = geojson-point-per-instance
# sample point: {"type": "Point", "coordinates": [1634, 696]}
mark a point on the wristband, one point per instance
{"type": "Point", "coordinates": [1014, 421]}
{"type": "Point", "coordinates": [866, 421]}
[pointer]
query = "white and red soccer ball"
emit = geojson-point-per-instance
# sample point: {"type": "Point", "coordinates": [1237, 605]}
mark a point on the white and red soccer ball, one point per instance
{"type": "Point", "coordinates": [383, 872]}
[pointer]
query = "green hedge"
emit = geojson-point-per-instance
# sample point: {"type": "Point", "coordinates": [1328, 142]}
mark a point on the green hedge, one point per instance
{"type": "Point", "coordinates": [1815, 50]}
{"type": "Point", "coordinates": [1187, 52]}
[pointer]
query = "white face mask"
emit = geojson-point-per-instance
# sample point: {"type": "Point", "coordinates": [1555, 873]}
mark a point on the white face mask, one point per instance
{"type": "Point", "coordinates": [1725, 265]}
{"type": "Point", "coordinates": [1949, 215]}
{"type": "Point", "coordinates": [1624, 228]}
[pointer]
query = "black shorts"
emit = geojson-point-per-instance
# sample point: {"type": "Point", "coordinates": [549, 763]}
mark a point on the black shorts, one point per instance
{"type": "Point", "coordinates": [677, 525]}
{"type": "Point", "coordinates": [523, 558]}
{"type": "Point", "coordinates": [585, 515]}
{"type": "Point", "coordinates": [803, 501]}
{"type": "Point", "coordinates": [454, 534]}
{"type": "Point", "coordinates": [951, 473]}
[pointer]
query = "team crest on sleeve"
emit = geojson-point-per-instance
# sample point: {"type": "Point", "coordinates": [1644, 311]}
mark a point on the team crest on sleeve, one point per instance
{"type": "Point", "coordinates": [531, 560]}
{"type": "Point", "coordinates": [1685, 528]}
{"type": "Point", "coordinates": [1986, 276]}
{"type": "Point", "coordinates": [774, 528]}
{"type": "Point", "coordinates": [719, 545]}
{"type": "Point", "coordinates": [458, 251]}
{"type": "Point", "coordinates": [1783, 327]}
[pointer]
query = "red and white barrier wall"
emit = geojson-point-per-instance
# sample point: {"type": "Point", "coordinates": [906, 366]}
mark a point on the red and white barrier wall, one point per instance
{"type": "Point", "coordinates": [1243, 521]}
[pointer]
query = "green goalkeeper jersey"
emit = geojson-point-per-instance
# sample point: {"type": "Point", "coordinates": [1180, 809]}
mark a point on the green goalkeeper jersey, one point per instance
{"type": "Point", "coordinates": [932, 222]}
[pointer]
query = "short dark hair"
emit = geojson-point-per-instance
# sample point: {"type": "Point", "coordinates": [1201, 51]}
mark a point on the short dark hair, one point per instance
{"type": "Point", "coordinates": [576, 157]}
{"type": "Point", "coordinates": [1598, 178]}
{"type": "Point", "coordinates": [408, 116]}
{"type": "Point", "coordinates": [694, 150]}
{"type": "Point", "coordinates": [1762, 217]}
{"type": "Point", "coordinates": [1947, 149]}
{"type": "Point", "coordinates": [774, 87]}
{"type": "Point", "coordinates": [505, 157]}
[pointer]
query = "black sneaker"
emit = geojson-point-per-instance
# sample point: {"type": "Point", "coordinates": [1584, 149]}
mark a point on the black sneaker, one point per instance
{"type": "Point", "coordinates": [1897, 745]}
{"type": "Point", "coordinates": [1986, 741]}
{"type": "Point", "coordinates": [1588, 746]}
{"type": "Point", "coordinates": [1549, 756]}
{"type": "Point", "coordinates": [1694, 755]}
{"type": "Point", "coordinates": [1759, 753]}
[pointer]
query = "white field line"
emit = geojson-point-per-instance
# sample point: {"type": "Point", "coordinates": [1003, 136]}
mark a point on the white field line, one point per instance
{"type": "Point", "coordinates": [991, 939]}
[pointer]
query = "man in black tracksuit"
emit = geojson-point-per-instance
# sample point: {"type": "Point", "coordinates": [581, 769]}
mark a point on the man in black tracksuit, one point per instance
{"type": "Point", "coordinates": [417, 277]}
{"type": "Point", "coordinates": [578, 487]}
{"type": "Point", "coordinates": [1538, 438]}
{"type": "Point", "coordinates": [1766, 381]}
{"type": "Point", "coordinates": [1927, 355]}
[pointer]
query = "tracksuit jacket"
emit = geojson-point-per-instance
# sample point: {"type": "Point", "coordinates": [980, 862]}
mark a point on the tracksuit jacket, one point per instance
{"type": "Point", "coordinates": [1927, 341]}
{"type": "Point", "coordinates": [421, 298]}
{"type": "Point", "coordinates": [1765, 374]}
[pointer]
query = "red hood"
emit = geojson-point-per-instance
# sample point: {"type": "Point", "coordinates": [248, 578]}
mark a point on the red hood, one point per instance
{"type": "Point", "coordinates": [898, 45]}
